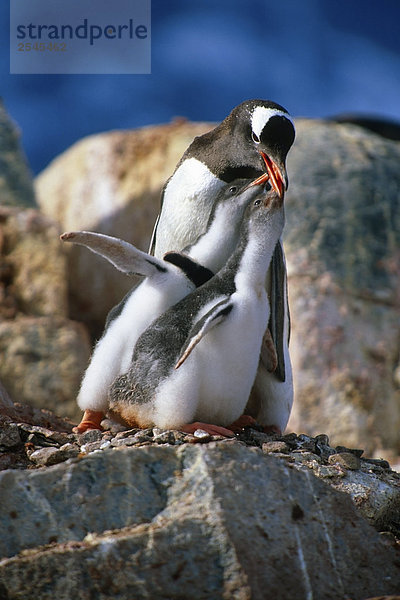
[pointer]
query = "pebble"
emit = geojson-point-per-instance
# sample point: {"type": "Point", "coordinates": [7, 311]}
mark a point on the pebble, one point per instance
{"type": "Point", "coordinates": [324, 471]}
{"type": "Point", "coordinates": [132, 440]}
{"type": "Point", "coordinates": [272, 447]}
{"type": "Point", "coordinates": [377, 462]}
{"type": "Point", "coordinates": [163, 437]}
{"type": "Point", "coordinates": [345, 459]}
{"type": "Point", "coordinates": [91, 435]}
{"type": "Point", "coordinates": [45, 457]}
{"type": "Point", "coordinates": [356, 451]}
{"type": "Point", "coordinates": [91, 446]}
{"type": "Point", "coordinates": [10, 436]}
{"type": "Point", "coordinates": [322, 439]}
{"type": "Point", "coordinates": [42, 434]}
{"type": "Point", "coordinates": [303, 456]}
{"type": "Point", "coordinates": [69, 450]}
{"type": "Point", "coordinates": [200, 433]}
{"type": "Point", "coordinates": [285, 456]}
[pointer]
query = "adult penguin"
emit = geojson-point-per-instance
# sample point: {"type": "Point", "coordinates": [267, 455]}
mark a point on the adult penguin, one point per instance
{"type": "Point", "coordinates": [253, 141]}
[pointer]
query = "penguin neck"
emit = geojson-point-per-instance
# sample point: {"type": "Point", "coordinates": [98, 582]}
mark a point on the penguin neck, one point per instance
{"type": "Point", "coordinates": [252, 258]}
{"type": "Point", "coordinates": [214, 247]}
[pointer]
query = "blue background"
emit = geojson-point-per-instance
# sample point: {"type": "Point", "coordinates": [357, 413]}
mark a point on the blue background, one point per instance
{"type": "Point", "coordinates": [316, 57]}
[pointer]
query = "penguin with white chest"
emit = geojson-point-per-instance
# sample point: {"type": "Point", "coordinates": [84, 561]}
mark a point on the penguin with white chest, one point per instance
{"type": "Point", "coordinates": [198, 361]}
{"type": "Point", "coordinates": [253, 141]}
{"type": "Point", "coordinates": [166, 282]}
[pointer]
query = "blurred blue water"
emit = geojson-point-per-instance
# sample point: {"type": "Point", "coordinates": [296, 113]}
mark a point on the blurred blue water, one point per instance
{"type": "Point", "coordinates": [316, 57]}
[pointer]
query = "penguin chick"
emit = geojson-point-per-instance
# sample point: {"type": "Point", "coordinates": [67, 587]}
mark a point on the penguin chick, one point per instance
{"type": "Point", "coordinates": [166, 282]}
{"type": "Point", "coordinates": [198, 361]}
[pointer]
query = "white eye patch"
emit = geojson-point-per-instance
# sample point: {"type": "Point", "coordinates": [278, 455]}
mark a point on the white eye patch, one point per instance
{"type": "Point", "coordinates": [261, 115]}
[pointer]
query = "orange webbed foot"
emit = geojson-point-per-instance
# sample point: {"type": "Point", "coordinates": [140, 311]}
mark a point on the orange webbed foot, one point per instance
{"type": "Point", "coordinates": [243, 421]}
{"type": "Point", "coordinates": [208, 427]}
{"type": "Point", "coordinates": [91, 420]}
{"type": "Point", "coordinates": [272, 429]}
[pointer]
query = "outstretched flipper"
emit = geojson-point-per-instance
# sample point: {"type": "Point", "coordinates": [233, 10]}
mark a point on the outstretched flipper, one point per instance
{"type": "Point", "coordinates": [278, 302]}
{"type": "Point", "coordinates": [124, 256]}
{"type": "Point", "coordinates": [214, 316]}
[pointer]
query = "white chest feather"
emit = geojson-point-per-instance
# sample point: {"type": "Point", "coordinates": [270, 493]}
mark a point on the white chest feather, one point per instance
{"type": "Point", "coordinates": [187, 203]}
{"type": "Point", "coordinates": [214, 382]}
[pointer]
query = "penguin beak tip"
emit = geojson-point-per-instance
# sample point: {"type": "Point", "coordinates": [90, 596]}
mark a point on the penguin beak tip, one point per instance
{"type": "Point", "coordinates": [274, 174]}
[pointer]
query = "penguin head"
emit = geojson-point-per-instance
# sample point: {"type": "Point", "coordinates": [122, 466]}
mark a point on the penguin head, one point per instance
{"type": "Point", "coordinates": [265, 209]}
{"type": "Point", "coordinates": [263, 133]}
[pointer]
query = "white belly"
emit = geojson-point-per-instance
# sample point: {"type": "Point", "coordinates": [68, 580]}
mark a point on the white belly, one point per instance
{"type": "Point", "coordinates": [113, 353]}
{"type": "Point", "coordinates": [214, 382]}
{"type": "Point", "coordinates": [187, 203]}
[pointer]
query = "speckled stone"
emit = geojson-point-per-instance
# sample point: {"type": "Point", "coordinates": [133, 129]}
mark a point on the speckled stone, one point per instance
{"type": "Point", "coordinates": [345, 459]}
{"type": "Point", "coordinates": [190, 514]}
{"type": "Point", "coordinates": [9, 435]}
{"type": "Point", "coordinates": [46, 456]}
{"type": "Point", "coordinates": [91, 435]}
{"type": "Point", "coordinates": [271, 447]}
{"type": "Point", "coordinates": [91, 446]}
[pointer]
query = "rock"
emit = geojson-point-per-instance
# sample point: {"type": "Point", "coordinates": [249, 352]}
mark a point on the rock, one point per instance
{"type": "Point", "coordinates": [188, 512]}
{"type": "Point", "coordinates": [110, 183]}
{"type": "Point", "coordinates": [46, 456]}
{"type": "Point", "coordinates": [377, 498]}
{"type": "Point", "coordinates": [342, 237]}
{"type": "Point", "coordinates": [43, 435]}
{"type": "Point", "coordinates": [44, 354]}
{"type": "Point", "coordinates": [16, 187]}
{"type": "Point", "coordinates": [43, 360]}
{"type": "Point", "coordinates": [33, 277]}
{"type": "Point", "coordinates": [29, 415]}
{"type": "Point", "coordinates": [346, 459]}
{"type": "Point", "coordinates": [9, 434]}
{"type": "Point", "coordinates": [270, 447]}
{"type": "Point", "coordinates": [5, 401]}
{"type": "Point", "coordinates": [91, 435]}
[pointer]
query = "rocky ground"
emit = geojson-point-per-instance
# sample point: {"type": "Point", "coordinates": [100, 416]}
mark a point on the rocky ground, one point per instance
{"type": "Point", "coordinates": [373, 486]}
{"type": "Point", "coordinates": [198, 511]}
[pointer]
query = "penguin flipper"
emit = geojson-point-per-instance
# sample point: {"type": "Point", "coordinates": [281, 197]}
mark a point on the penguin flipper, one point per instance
{"type": "Point", "coordinates": [214, 316]}
{"type": "Point", "coordinates": [279, 311]}
{"type": "Point", "coordinates": [153, 237]}
{"type": "Point", "coordinates": [124, 256]}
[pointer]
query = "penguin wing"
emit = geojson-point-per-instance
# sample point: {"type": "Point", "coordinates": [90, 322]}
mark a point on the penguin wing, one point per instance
{"type": "Point", "coordinates": [153, 237]}
{"type": "Point", "coordinates": [212, 318]}
{"type": "Point", "coordinates": [124, 256]}
{"type": "Point", "coordinates": [279, 312]}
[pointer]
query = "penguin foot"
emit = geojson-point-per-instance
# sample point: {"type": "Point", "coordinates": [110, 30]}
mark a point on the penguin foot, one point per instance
{"type": "Point", "coordinates": [91, 420]}
{"type": "Point", "coordinates": [243, 421]}
{"type": "Point", "coordinates": [272, 429]}
{"type": "Point", "coordinates": [208, 427]}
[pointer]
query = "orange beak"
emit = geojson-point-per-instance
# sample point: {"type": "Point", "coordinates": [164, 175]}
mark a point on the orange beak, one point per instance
{"type": "Point", "coordinates": [273, 174]}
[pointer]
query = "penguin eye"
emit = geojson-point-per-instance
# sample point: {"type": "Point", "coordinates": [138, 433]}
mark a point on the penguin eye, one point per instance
{"type": "Point", "coordinates": [255, 137]}
{"type": "Point", "coordinates": [233, 189]}
{"type": "Point", "coordinates": [257, 203]}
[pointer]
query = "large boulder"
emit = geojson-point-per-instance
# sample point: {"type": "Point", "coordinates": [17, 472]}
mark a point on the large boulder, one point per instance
{"type": "Point", "coordinates": [43, 360]}
{"type": "Point", "coordinates": [16, 188]}
{"type": "Point", "coordinates": [33, 277]}
{"type": "Point", "coordinates": [342, 241]}
{"type": "Point", "coordinates": [110, 183]}
{"type": "Point", "coordinates": [43, 353]}
{"type": "Point", "coordinates": [219, 520]}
